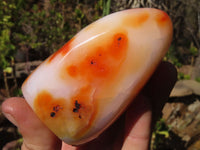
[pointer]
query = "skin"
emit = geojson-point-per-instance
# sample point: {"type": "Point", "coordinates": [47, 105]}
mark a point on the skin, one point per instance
{"type": "Point", "coordinates": [132, 131]}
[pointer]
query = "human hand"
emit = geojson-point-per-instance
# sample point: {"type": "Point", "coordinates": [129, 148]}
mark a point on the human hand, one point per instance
{"type": "Point", "coordinates": [132, 131]}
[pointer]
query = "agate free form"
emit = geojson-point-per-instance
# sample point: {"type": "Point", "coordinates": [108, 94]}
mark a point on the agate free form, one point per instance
{"type": "Point", "coordinates": [83, 87]}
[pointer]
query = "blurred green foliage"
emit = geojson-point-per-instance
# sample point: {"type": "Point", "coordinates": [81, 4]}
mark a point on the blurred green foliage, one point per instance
{"type": "Point", "coordinates": [39, 31]}
{"type": "Point", "coordinates": [106, 7]}
{"type": "Point", "coordinates": [182, 76]}
{"type": "Point", "coordinates": [160, 134]}
{"type": "Point", "coordinates": [193, 50]}
{"type": "Point", "coordinates": [6, 46]}
{"type": "Point", "coordinates": [198, 79]}
{"type": "Point", "coordinates": [42, 26]}
{"type": "Point", "coordinates": [172, 56]}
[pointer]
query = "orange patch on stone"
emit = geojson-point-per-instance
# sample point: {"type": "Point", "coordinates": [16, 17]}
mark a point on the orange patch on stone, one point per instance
{"type": "Point", "coordinates": [51, 111]}
{"type": "Point", "coordinates": [161, 18]}
{"type": "Point", "coordinates": [136, 20]}
{"type": "Point", "coordinates": [63, 50]}
{"type": "Point", "coordinates": [85, 108]}
{"type": "Point", "coordinates": [119, 45]}
{"type": "Point", "coordinates": [72, 70]}
{"type": "Point", "coordinates": [103, 61]}
{"type": "Point", "coordinates": [70, 117]}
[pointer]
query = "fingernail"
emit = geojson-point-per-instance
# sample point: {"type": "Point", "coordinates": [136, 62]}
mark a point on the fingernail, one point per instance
{"type": "Point", "coordinates": [10, 118]}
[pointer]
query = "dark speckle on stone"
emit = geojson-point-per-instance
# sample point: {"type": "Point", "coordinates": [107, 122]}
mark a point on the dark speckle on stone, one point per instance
{"type": "Point", "coordinates": [52, 114]}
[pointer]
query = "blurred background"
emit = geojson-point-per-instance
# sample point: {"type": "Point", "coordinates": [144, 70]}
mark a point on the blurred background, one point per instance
{"type": "Point", "coordinates": [32, 30]}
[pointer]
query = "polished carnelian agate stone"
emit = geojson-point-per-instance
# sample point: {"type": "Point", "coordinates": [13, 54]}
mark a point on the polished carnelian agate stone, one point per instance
{"type": "Point", "coordinates": [83, 87]}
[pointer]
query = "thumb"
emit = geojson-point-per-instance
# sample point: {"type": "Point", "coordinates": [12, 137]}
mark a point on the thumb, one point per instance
{"type": "Point", "coordinates": [36, 135]}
